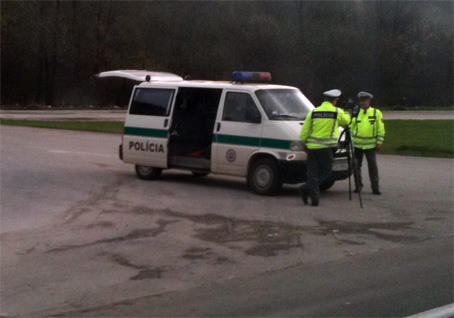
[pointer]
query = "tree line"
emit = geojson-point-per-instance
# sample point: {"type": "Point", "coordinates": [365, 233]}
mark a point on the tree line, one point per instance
{"type": "Point", "coordinates": [400, 51]}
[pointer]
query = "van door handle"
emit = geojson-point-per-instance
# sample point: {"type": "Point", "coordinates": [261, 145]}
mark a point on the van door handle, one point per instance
{"type": "Point", "coordinates": [218, 127]}
{"type": "Point", "coordinates": [166, 122]}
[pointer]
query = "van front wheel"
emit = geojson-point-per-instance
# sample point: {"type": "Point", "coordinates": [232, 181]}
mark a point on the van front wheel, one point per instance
{"type": "Point", "coordinates": [326, 184]}
{"type": "Point", "coordinates": [148, 173]}
{"type": "Point", "coordinates": [264, 177]}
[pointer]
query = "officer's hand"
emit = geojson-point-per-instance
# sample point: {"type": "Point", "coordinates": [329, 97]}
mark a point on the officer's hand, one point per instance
{"type": "Point", "coordinates": [378, 147]}
{"type": "Point", "coordinates": [305, 148]}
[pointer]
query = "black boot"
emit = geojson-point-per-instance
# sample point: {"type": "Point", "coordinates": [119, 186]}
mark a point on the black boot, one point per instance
{"type": "Point", "coordinates": [303, 193]}
{"type": "Point", "coordinates": [358, 189]}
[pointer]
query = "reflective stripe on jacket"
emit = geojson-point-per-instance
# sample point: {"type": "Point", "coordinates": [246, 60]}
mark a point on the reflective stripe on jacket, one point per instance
{"type": "Point", "coordinates": [321, 128]}
{"type": "Point", "coordinates": [368, 129]}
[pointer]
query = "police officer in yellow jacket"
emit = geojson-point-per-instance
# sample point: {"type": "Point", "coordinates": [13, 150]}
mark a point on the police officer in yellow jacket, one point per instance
{"type": "Point", "coordinates": [368, 133]}
{"type": "Point", "coordinates": [319, 135]}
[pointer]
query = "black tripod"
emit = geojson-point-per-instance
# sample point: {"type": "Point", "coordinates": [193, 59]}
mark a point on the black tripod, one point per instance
{"type": "Point", "coordinates": [350, 150]}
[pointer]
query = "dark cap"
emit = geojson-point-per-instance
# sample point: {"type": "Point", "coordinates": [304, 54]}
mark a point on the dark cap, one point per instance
{"type": "Point", "coordinates": [365, 95]}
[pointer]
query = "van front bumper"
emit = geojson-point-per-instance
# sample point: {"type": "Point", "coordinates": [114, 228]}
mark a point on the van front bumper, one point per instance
{"type": "Point", "coordinates": [295, 171]}
{"type": "Point", "coordinates": [341, 169]}
{"type": "Point", "coordinates": [292, 171]}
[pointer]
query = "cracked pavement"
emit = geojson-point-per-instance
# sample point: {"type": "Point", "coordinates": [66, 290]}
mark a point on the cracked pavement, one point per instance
{"type": "Point", "coordinates": [81, 232]}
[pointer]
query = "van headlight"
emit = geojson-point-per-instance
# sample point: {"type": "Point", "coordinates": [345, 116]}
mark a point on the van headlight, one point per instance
{"type": "Point", "coordinates": [296, 145]}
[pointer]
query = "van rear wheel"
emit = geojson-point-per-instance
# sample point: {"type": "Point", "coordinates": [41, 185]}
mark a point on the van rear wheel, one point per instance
{"type": "Point", "coordinates": [148, 173]}
{"type": "Point", "coordinates": [199, 173]}
{"type": "Point", "coordinates": [264, 177]}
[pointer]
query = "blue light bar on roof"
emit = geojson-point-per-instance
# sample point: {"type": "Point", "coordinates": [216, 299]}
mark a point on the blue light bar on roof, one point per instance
{"type": "Point", "coordinates": [257, 77]}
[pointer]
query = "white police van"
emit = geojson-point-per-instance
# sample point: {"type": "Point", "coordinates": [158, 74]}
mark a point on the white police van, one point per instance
{"type": "Point", "coordinates": [245, 127]}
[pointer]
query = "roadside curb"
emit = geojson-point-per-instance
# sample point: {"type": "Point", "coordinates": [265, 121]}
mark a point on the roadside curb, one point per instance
{"type": "Point", "coordinates": [440, 312]}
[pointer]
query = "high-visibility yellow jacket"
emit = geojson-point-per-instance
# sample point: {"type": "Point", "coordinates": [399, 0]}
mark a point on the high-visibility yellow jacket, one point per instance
{"type": "Point", "coordinates": [368, 129]}
{"type": "Point", "coordinates": [321, 128]}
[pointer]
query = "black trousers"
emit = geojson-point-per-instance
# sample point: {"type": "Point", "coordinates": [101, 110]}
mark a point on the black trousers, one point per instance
{"type": "Point", "coordinates": [319, 167]}
{"type": "Point", "coordinates": [371, 163]}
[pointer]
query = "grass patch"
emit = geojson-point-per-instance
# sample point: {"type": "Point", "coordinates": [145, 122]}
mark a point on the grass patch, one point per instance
{"type": "Point", "coordinates": [115, 127]}
{"type": "Point", "coordinates": [424, 138]}
{"type": "Point", "coordinates": [417, 108]}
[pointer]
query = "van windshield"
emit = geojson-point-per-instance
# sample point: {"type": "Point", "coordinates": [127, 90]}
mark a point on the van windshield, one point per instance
{"type": "Point", "coordinates": [284, 104]}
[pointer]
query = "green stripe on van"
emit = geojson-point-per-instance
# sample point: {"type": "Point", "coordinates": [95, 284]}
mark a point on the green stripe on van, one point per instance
{"type": "Point", "coordinates": [237, 140]}
{"type": "Point", "coordinates": [252, 141]}
{"type": "Point", "coordinates": [223, 139]}
{"type": "Point", "coordinates": [147, 132]}
{"type": "Point", "coordinates": [275, 143]}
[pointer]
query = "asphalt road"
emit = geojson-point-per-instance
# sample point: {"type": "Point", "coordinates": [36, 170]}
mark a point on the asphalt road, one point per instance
{"type": "Point", "coordinates": [119, 115]}
{"type": "Point", "coordinates": [391, 283]}
{"type": "Point", "coordinates": [82, 236]}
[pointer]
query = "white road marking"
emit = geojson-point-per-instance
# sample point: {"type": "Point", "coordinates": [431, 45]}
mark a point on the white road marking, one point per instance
{"type": "Point", "coordinates": [79, 153]}
{"type": "Point", "coordinates": [66, 152]}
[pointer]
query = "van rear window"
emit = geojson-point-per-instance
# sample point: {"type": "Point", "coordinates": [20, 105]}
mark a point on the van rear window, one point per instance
{"type": "Point", "coordinates": [151, 102]}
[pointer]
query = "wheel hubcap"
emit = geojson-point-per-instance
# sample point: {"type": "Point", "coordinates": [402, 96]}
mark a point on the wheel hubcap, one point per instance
{"type": "Point", "coordinates": [145, 170]}
{"type": "Point", "coordinates": [263, 177]}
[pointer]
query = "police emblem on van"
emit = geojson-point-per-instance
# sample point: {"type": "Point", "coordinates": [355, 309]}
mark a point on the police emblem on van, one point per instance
{"type": "Point", "coordinates": [230, 155]}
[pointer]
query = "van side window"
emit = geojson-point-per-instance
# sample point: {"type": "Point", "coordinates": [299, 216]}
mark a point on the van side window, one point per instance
{"type": "Point", "coordinates": [151, 102]}
{"type": "Point", "coordinates": [240, 107]}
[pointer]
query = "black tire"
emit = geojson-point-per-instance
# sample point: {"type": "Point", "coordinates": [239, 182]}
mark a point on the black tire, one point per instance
{"type": "Point", "coordinates": [264, 177]}
{"type": "Point", "coordinates": [148, 173]}
{"type": "Point", "coordinates": [200, 174]}
{"type": "Point", "coordinates": [326, 184]}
